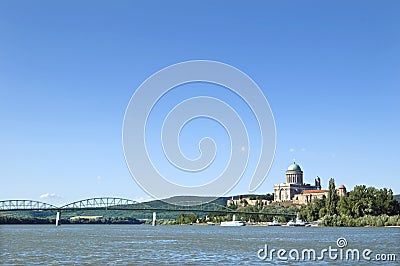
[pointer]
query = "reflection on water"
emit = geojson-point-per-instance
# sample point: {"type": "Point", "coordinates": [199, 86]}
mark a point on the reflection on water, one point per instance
{"type": "Point", "coordinates": [143, 244]}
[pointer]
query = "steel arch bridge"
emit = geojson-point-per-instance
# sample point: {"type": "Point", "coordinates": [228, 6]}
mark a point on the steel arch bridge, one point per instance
{"type": "Point", "coordinates": [110, 203]}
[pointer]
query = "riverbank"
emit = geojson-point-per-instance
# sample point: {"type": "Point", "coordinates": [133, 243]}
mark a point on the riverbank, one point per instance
{"type": "Point", "coordinates": [334, 221]}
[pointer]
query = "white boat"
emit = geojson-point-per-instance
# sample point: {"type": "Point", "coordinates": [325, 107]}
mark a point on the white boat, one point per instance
{"type": "Point", "coordinates": [274, 223]}
{"type": "Point", "coordinates": [233, 222]}
{"type": "Point", "coordinates": [298, 222]}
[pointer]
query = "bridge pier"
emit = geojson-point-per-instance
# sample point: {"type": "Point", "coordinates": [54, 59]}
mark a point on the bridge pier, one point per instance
{"type": "Point", "coordinates": [58, 217]}
{"type": "Point", "coordinates": [154, 222]}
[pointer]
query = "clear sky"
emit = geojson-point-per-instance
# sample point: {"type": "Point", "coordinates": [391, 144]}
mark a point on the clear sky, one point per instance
{"type": "Point", "coordinates": [330, 71]}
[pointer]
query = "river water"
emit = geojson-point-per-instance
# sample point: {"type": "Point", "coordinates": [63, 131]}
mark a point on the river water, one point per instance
{"type": "Point", "coordinates": [190, 245]}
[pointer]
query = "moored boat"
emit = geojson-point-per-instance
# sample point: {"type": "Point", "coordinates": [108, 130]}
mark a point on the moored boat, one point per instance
{"type": "Point", "coordinates": [233, 222]}
{"type": "Point", "coordinates": [298, 222]}
{"type": "Point", "coordinates": [274, 223]}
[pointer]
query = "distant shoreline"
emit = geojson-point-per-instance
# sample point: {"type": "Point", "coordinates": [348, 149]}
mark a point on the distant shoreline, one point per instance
{"type": "Point", "coordinates": [198, 224]}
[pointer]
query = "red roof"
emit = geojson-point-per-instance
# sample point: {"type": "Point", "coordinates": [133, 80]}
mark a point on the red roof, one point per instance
{"type": "Point", "coordinates": [342, 187]}
{"type": "Point", "coordinates": [314, 191]}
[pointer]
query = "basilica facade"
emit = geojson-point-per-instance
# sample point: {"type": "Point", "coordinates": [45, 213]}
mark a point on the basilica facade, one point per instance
{"type": "Point", "coordinates": [294, 185]}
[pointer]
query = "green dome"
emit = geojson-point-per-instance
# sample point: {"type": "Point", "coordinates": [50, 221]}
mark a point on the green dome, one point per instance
{"type": "Point", "coordinates": [294, 167]}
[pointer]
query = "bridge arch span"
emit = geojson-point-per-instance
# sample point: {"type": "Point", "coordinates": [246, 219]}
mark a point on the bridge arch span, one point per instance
{"type": "Point", "coordinates": [17, 205]}
{"type": "Point", "coordinates": [97, 203]}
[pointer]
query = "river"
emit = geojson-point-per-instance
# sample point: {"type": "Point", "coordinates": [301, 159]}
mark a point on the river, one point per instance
{"type": "Point", "coordinates": [194, 245]}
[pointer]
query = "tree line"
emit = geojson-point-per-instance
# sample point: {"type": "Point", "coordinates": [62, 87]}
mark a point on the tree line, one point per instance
{"type": "Point", "coordinates": [362, 206]}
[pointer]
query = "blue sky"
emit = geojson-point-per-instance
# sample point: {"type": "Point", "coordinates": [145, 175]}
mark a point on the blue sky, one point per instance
{"type": "Point", "coordinates": [330, 71]}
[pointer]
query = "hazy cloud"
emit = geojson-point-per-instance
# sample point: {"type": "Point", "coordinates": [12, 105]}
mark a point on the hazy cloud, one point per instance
{"type": "Point", "coordinates": [50, 196]}
{"type": "Point", "coordinates": [293, 149]}
{"type": "Point", "coordinates": [143, 199]}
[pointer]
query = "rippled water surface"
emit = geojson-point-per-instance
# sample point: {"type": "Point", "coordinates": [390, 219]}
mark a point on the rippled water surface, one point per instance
{"type": "Point", "coordinates": [194, 245]}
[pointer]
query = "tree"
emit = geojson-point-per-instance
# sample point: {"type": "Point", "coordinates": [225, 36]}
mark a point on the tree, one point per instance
{"type": "Point", "coordinates": [332, 199]}
{"type": "Point", "coordinates": [344, 207]}
{"type": "Point", "coordinates": [186, 219]}
{"type": "Point", "coordinates": [181, 219]}
{"type": "Point", "coordinates": [269, 196]}
{"type": "Point", "coordinates": [311, 212]}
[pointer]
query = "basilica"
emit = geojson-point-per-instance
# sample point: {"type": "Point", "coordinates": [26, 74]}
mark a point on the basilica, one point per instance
{"type": "Point", "coordinates": [296, 191]}
{"type": "Point", "coordinates": [294, 184]}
